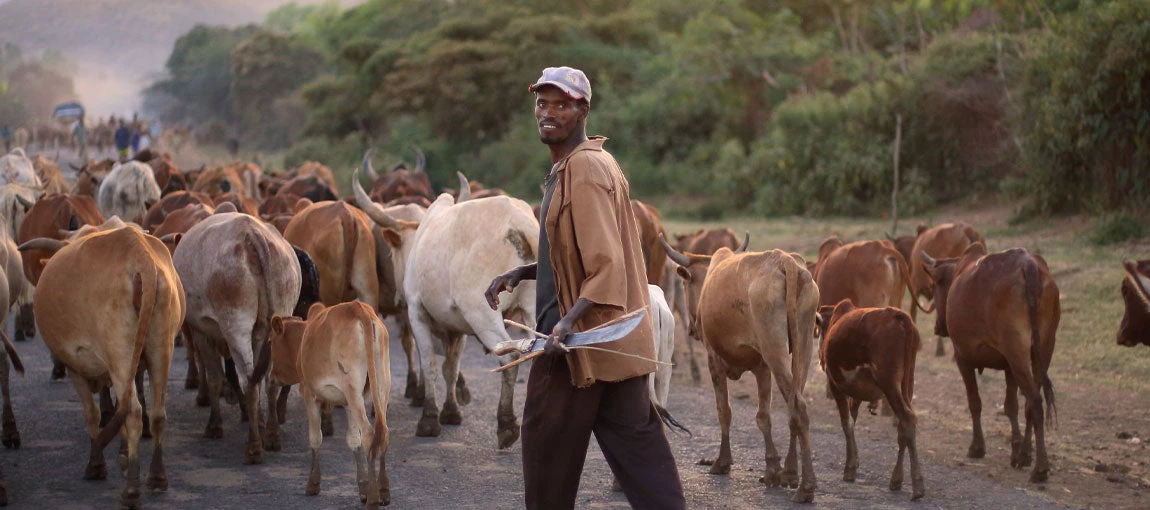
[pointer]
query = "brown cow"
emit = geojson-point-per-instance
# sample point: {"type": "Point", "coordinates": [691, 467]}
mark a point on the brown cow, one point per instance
{"type": "Point", "coordinates": [905, 244]}
{"type": "Point", "coordinates": [243, 203]}
{"type": "Point", "coordinates": [338, 238]}
{"type": "Point", "coordinates": [400, 182]}
{"type": "Point", "coordinates": [170, 203]}
{"type": "Point", "coordinates": [345, 351]}
{"type": "Point", "coordinates": [239, 178]}
{"type": "Point", "coordinates": [1135, 326]}
{"type": "Point", "coordinates": [47, 218]}
{"type": "Point", "coordinates": [650, 227]}
{"type": "Point", "coordinates": [869, 354]}
{"type": "Point", "coordinates": [89, 176]}
{"type": "Point", "coordinates": [756, 313]}
{"type": "Point", "coordinates": [868, 273]}
{"type": "Point", "coordinates": [168, 175]}
{"type": "Point", "coordinates": [942, 241]}
{"type": "Point", "coordinates": [1002, 311]}
{"type": "Point", "coordinates": [105, 341]}
{"type": "Point", "coordinates": [311, 187]}
{"type": "Point", "coordinates": [51, 180]}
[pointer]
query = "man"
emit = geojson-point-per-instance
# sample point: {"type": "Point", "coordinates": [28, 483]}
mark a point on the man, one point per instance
{"type": "Point", "coordinates": [80, 135]}
{"type": "Point", "coordinates": [590, 270]}
{"type": "Point", "coordinates": [123, 139]}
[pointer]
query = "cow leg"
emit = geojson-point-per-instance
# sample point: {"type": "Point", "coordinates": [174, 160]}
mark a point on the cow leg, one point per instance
{"type": "Point", "coordinates": [773, 472]}
{"type": "Point", "coordinates": [192, 379]}
{"type": "Point", "coordinates": [1024, 374]}
{"type": "Point", "coordinates": [1019, 451]}
{"type": "Point", "coordinates": [508, 431]}
{"type": "Point", "coordinates": [452, 349]}
{"type": "Point", "coordinates": [905, 422]}
{"type": "Point", "coordinates": [314, 437]}
{"type": "Point", "coordinates": [96, 469]}
{"type": "Point", "coordinates": [462, 392]}
{"type": "Point", "coordinates": [106, 407]}
{"type": "Point", "coordinates": [799, 423]}
{"type": "Point", "coordinates": [281, 403]}
{"type": "Point", "coordinates": [213, 382]}
{"type": "Point", "coordinates": [428, 425]}
{"type": "Point", "coordinates": [158, 366]}
{"type": "Point", "coordinates": [722, 464]}
{"type": "Point", "coordinates": [977, 448]}
{"type": "Point", "coordinates": [359, 440]}
{"type": "Point", "coordinates": [147, 429]}
{"type": "Point", "coordinates": [11, 435]}
{"type": "Point", "coordinates": [412, 390]}
{"type": "Point", "coordinates": [254, 453]}
{"type": "Point", "coordinates": [130, 461]}
{"type": "Point", "coordinates": [325, 424]}
{"type": "Point", "coordinates": [940, 350]}
{"type": "Point", "coordinates": [272, 440]}
{"type": "Point", "coordinates": [25, 322]}
{"type": "Point", "coordinates": [384, 481]}
{"type": "Point", "coordinates": [851, 466]}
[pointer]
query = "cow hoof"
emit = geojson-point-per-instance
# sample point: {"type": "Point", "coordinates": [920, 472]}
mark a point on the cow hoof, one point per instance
{"type": "Point", "coordinates": [720, 468]}
{"type": "Point", "coordinates": [272, 443]}
{"type": "Point", "coordinates": [312, 487]}
{"type": "Point", "coordinates": [918, 492]}
{"type": "Point", "coordinates": [254, 455]}
{"type": "Point", "coordinates": [508, 436]}
{"type": "Point", "coordinates": [450, 415]}
{"type": "Point", "coordinates": [895, 485]}
{"type": "Point", "coordinates": [462, 393]}
{"type": "Point", "coordinates": [790, 480]}
{"type": "Point", "coordinates": [130, 499]}
{"type": "Point", "coordinates": [976, 452]}
{"type": "Point", "coordinates": [96, 472]}
{"type": "Point", "coordinates": [192, 383]}
{"type": "Point", "coordinates": [804, 495]}
{"type": "Point", "coordinates": [428, 426]}
{"type": "Point", "coordinates": [146, 433]}
{"type": "Point", "coordinates": [1020, 460]}
{"type": "Point", "coordinates": [20, 335]}
{"type": "Point", "coordinates": [214, 432]}
{"type": "Point", "coordinates": [850, 475]}
{"type": "Point", "coordinates": [385, 496]}
{"type": "Point", "coordinates": [409, 391]}
{"type": "Point", "coordinates": [1039, 476]}
{"type": "Point", "coordinates": [59, 372]}
{"type": "Point", "coordinates": [158, 482]}
{"type": "Point", "coordinates": [11, 438]}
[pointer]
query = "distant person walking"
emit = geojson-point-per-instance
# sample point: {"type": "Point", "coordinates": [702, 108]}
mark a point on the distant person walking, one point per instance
{"type": "Point", "coordinates": [80, 134]}
{"type": "Point", "coordinates": [6, 135]}
{"type": "Point", "coordinates": [123, 138]}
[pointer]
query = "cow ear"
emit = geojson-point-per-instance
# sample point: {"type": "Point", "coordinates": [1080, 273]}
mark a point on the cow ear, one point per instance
{"type": "Point", "coordinates": [277, 325]}
{"type": "Point", "coordinates": [392, 237]}
{"type": "Point", "coordinates": [683, 273]}
{"type": "Point", "coordinates": [922, 228]}
{"type": "Point", "coordinates": [301, 204]}
{"type": "Point", "coordinates": [314, 310]}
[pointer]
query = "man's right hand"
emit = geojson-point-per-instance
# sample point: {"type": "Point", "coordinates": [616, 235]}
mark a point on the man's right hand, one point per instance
{"type": "Point", "coordinates": [505, 282]}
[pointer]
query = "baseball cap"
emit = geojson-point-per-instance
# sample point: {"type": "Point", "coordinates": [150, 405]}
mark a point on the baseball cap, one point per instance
{"type": "Point", "coordinates": [570, 80]}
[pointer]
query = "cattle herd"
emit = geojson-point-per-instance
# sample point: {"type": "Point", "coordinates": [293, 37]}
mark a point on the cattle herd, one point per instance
{"type": "Point", "coordinates": [274, 276]}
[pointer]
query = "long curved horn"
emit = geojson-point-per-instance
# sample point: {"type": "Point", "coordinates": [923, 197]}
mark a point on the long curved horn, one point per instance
{"type": "Point", "coordinates": [927, 258]}
{"type": "Point", "coordinates": [420, 160]}
{"type": "Point", "coordinates": [746, 242]}
{"type": "Point", "coordinates": [464, 188]}
{"type": "Point", "coordinates": [24, 201]}
{"type": "Point", "coordinates": [43, 243]}
{"type": "Point", "coordinates": [374, 210]}
{"type": "Point", "coordinates": [674, 254]}
{"type": "Point", "coordinates": [367, 168]}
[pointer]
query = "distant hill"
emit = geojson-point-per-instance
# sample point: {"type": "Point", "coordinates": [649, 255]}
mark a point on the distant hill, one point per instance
{"type": "Point", "coordinates": [118, 46]}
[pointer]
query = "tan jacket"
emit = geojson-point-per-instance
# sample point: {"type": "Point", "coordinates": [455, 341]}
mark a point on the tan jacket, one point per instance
{"type": "Point", "coordinates": [596, 254]}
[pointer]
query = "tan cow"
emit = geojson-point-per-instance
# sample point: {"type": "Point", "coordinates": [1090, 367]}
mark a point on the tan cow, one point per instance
{"type": "Point", "coordinates": [48, 171]}
{"type": "Point", "coordinates": [238, 273]}
{"type": "Point", "coordinates": [108, 303]}
{"type": "Point", "coordinates": [345, 351]}
{"type": "Point", "coordinates": [233, 178]}
{"type": "Point", "coordinates": [444, 267]}
{"type": "Point", "coordinates": [16, 168]}
{"type": "Point", "coordinates": [1002, 312]}
{"type": "Point", "coordinates": [1135, 326]}
{"type": "Point", "coordinates": [905, 244]}
{"type": "Point", "coordinates": [868, 354]}
{"type": "Point", "coordinates": [338, 238]}
{"type": "Point", "coordinates": [756, 312]}
{"type": "Point", "coordinates": [128, 191]}
{"type": "Point", "coordinates": [942, 241]}
{"type": "Point", "coordinates": [14, 289]}
{"type": "Point", "coordinates": [391, 302]}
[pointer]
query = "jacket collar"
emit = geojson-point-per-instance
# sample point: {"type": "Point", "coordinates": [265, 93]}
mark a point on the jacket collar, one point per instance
{"type": "Point", "coordinates": [593, 143]}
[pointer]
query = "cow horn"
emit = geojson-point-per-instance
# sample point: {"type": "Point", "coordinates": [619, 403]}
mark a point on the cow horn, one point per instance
{"type": "Point", "coordinates": [24, 201]}
{"type": "Point", "coordinates": [746, 243]}
{"type": "Point", "coordinates": [76, 168]}
{"type": "Point", "coordinates": [420, 159]}
{"type": "Point", "coordinates": [367, 168]}
{"type": "Point", "coordinates": [173, 238]}
{"type": "Point", "coordinates": [374, 210]}
{"type": "Point", "coordinates": [928, 259]}
{"type": "Point", "coordinates": [464, 188]}
{"type": "Point", "coordinates": [674, 254]}
{"type": "Point", "coordinates": [43, 243]}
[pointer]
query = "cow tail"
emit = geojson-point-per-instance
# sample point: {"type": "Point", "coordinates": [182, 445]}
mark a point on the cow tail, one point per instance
{"type": "Point", "coordinates": [145, 293]}
{"type": "Point", "coordinates": [799, 360]}
{"type": "Point", "coordinates": [374, 344]}
{"type": "Point", "coordinates": [904, 271]}
{"type": "Point", "coordinates": [910, 356]}
{"type": "Point", "coordinates": [1033, 286]}
{"type": "Point", "coordinates": [258, 244]}
{"type": "Point", "coordinates": [669, 420]}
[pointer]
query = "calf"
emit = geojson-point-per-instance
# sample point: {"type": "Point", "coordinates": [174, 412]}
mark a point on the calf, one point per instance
{"type": "Point", "coordinates": [132, 324]}
{"type": "Point", "coordinates": [756, 313]}
{"type": "Point", "coordinates": [344, 351]}
{"type": "Point", "coordinates": [1002, 311]}
{"type": "Point", "coordinates": [868, 354]}
{"type": "Point", "coordinates": [285, 339]}
{"type": "Point", "coordinates": [946, 240]}
{"type": "Point", "coordinates": [1135, 326]}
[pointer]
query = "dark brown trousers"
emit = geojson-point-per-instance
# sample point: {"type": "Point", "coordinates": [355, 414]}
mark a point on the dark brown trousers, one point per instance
{"type": "Point", "coordinates": [558, 420]}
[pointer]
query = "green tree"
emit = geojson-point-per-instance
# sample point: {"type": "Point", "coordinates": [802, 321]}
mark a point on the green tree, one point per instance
{"type": "Point", "coordinates": [267, 68]}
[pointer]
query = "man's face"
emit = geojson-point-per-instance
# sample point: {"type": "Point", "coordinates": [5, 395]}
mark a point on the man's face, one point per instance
{"type": "Point", "coordinates": [558, 115]}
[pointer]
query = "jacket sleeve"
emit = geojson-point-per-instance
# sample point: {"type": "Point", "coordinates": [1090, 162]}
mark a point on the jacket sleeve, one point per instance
{"type": "Point", "coordinates": [596, 226]}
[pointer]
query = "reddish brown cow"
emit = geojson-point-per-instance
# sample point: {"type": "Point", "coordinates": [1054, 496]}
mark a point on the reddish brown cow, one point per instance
{"type": "Point", "coordinates": [312, 187]}
{"type": "Point", "coordinates": [168, 175]}
{"type": "Point", "coordinates": [942, 241]}
{"type": "Point", "coordinates": [1135, 326]}
{"type": "Point", "coordinates": [243, 203]}
{"type": "Point", "coordinates": [170, 203]}
{"type": "Point", "coordinates": [869, 354]}
{"type": "Point", "coordinates": [868, 273]}
{"type": "Point", "coordinates": [905, 244]}
{"type": "Point", "coordinates": [650, 228]}
{"type": "Point", "coordinates": [399, 182]}
{"type": "Point", "coordinates": [239, 178]}
{"type": "Point", "coordinates": [1002, 311]}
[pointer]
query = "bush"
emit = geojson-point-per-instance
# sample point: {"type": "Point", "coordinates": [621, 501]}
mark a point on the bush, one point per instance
{"type": "Point", "coordinates": [1116, 228]}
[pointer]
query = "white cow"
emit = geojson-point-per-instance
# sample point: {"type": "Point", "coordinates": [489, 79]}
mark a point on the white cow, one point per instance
{"type": "Point", "coordinates": [127, 191]}
{"type": "Point", "coordinates": [447, 264]}
{"type": "Point", "coordinates": [16, 168]}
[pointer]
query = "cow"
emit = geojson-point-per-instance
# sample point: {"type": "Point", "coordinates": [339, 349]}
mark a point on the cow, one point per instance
{"type": "Point", "coordinates": [89, 176]}
{"type": "Point", "coordinates": [905, 244]}
{"type": "Point", "coordinates": [1135, 326]}
{"type": "Point", "coordinates": [309, 186]}
{"type": "Point", "coordinates": [170, 203]}
{"type": "Point", "coordinates": [128, 191]}
{"type": "Point", "coordinates": [400, 182]}
{"type": "Point", "coordinates": [444, 267]}
{"type": "Point", "coordinates": [238, 273]}
{"type": "Point", "coordinates": [342, 356]}
{"type": "Point", "coordinates": [285, 340]}
{"type": "Point", "coordinates": [105, 341]}
{"type": "Point", "coordinates": [942, 241]}
{"type": "Point", "coordinates": [48, 171]}
{"type": "Point", "coordinates": [168, 176]}
{"type": "Point", "coordinates": [338, 238]}
{"type": "Point", "coordinates": [691, 265]}
{"type": "Point", "coordinates": [869, 353]}
{"type": "Point", "coordinates": [47, 218]}
{"type": "Point", "coordinates": [756, 313]}
{"type": "Point", "coordinates": [16, 168]}
{"type": "Point", "coordinates": [650, 227]}
{"type": "Point", "coordinates": [13, 289]}
{"type": "Point", "coordinates": [243, 203]}
{"type": "Point", "coordinates": [1001, 310]}
{"type": "Point", "coordinates": [239, 178]}
{"type": "Point", "coordinates": [868, 273]}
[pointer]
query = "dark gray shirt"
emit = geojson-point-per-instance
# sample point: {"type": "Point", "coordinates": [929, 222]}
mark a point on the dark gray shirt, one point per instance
{"type": "Point", "coordinates": [546, 298]}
